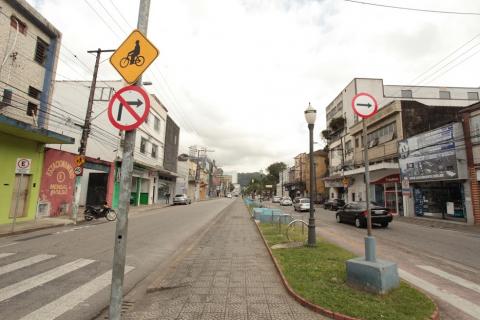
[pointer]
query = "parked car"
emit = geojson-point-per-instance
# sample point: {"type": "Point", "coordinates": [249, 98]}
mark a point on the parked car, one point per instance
{"type": "Point", "coordinates": [181, 199]}
{"type": "Point", "coordinates": [286, 201]}
{"type": "Point", "coordinates": [334, 204]}
{"type": "Point", "coordinates": [303, 204]}
{"type": "Point", "coordinates": [276, 199]}
{"type": "Point", "coordinates": [296, 199]}
{"type": "Point", "coordinates": [356, 213]}
{"type": "Point", "coordinates": [229, 195]}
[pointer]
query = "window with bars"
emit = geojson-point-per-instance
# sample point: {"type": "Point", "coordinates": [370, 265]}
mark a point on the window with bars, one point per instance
{"type": "Point", "coordinates": [103, 94]}
{"type": "Point", "coordinates": [34, 93]}
{"type": "Point", "coordinates": [22, 27]}
{"type": "Point", "coordinates": [41, 51]}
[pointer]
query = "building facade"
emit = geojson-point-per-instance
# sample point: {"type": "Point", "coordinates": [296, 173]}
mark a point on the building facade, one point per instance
{"type": "Point", "coordinates": [30, 46]}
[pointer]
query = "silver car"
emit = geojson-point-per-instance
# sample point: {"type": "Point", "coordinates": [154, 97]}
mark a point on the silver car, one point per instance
{"type": "Point", "coordinates": [181, 199]}
{"type": "Point", "coordinates": [303, 204]}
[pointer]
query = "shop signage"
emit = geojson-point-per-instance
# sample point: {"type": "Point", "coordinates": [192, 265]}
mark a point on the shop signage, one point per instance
{"type": "Point", "coordinates": [79, 160]}
{"type": "Point", "coordinates": [23, 166]}
{"type": "Point", "coordinates": [429, 156]}
{"type": "Point", "coordinates": [62, 173]}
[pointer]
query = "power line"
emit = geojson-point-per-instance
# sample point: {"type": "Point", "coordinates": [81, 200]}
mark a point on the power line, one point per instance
{"type": "Point", "coordinates": [413, 9]}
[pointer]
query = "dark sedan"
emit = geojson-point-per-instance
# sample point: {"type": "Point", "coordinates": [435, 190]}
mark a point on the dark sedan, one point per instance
{"type": "Point", "coordinates": [356, 213]}
{"type": "Point", "coordinates": [334, 204]}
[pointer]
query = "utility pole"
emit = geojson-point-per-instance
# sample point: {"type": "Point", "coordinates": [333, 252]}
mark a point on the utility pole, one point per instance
{"type": "Point", "coordinates": [119, 255]}
{"type": "Point", "coordinates": [82, 149]}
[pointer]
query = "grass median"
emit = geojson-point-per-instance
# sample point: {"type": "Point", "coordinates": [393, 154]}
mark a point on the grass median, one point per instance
{"type": "Point", "coordinates": [319, 276]}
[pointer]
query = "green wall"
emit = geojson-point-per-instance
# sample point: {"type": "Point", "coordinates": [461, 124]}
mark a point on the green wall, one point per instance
{"type": "Point", "coordinates": [11, 148]}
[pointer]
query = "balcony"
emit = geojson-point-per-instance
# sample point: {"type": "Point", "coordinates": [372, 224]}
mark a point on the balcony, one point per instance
{"type": "Point", "coordinates": [386, 150]}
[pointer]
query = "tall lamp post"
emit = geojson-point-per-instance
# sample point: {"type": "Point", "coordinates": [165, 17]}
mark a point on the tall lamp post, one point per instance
{"type": "Point", "coordinates": [311, 116]}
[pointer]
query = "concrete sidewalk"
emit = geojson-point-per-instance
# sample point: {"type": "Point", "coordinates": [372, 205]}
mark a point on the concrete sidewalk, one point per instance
{"type": "Point", "coordinates": [50, 222]}
{"type": "Point", "coordinates": [228, 274]}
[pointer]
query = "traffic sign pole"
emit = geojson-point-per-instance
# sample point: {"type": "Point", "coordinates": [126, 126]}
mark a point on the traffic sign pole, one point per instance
{"type": "Point", "coordinates": [365, 106]}
{"type": "Point", "coordinates": [120, 250]}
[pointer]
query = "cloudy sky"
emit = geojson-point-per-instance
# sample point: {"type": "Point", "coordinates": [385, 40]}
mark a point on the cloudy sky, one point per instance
{"type": "Point", "coordinates": [236, 75]}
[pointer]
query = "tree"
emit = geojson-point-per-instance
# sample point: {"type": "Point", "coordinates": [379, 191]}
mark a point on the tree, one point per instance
{"type": "Point", "coordinates": [274, 170]}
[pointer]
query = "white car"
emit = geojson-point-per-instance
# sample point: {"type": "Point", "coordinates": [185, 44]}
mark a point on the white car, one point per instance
{"type": "Point", "coordinates": [286, 201]}
{"type": "Point", "coordinates": [229, 195]}
{"type": "Point", "coordinates": [303, 204]}
{"type": "Point", "coordinates": [181, 199]}
{"type": "Point", "coordinates": [276, 199]}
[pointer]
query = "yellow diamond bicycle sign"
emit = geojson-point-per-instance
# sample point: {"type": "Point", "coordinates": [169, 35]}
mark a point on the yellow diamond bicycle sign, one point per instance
{"type": "Point", "coordinates": [134, 56]}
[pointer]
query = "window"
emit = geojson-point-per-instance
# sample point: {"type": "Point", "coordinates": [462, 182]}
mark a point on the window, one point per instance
{"type": "Point", "coordinates": [156, 123]}
{"type": "Point", "coordinates": [357, 142]}
{"type": "Point", "coordinates": [102, 94]}
{"type": "Point", "coordinates": [41, 51]}
{"type": "Point", "coordinates": [143, 145]}
{"type": "Point", "coordinates": [22, 27]}
{"type": "Point", "coordinates": [154, 151]}
{"type": "Point", "coordinates": [381, 135]}
{"type": "Point", "coordinates": [475, 129]}
{"type": "Point", "coordinates": [472, 95]}
{"type": "Point", "coordinates": [175, 139]}
{"type": "Point", "coordinates": [32, 109]}
{"type": "Point", "coordinates": [444, 94]}
{"type": "Point", "coordinates": [34, 93]}
{"type": "Point", "coordinates": [407, 94]}
{"type": "Point", "coordinates": [6, 98]}
{"type": "Point", "coordinates": [348, 147]}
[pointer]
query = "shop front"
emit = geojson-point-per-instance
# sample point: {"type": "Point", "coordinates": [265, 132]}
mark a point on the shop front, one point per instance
{"type": "Point", "coordinates": [388, 192]}
{"type": "Point", "coordinates": [435, 172]}
{"type": "Point", "coordinates": [440, 199]}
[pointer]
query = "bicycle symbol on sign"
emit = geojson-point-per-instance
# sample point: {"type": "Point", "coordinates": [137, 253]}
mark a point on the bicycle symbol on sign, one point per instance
{"type": "Point", "coordinates": [133, 57]}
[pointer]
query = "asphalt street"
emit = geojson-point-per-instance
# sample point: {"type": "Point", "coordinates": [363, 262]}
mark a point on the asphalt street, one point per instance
{"type": "Point", "coordinates": [444, 263]}
{"type": "Point", "coordinates": [64, 272]}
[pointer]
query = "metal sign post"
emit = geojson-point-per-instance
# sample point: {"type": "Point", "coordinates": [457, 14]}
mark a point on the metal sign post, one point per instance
{"type": "Point", "coordinates": [120, 250]}
{"type": "Point", "coordinates": [22, 166]}
{"type": "Point", "coordinates": [365, 106]}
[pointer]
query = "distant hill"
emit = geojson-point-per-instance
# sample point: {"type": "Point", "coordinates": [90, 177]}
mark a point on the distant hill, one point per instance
{"type": "Point", "coordinates": [245, 178]}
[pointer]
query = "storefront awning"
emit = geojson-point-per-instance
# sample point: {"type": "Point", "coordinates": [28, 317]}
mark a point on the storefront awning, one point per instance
{"type": "Point", "coordinates": [26, 131]}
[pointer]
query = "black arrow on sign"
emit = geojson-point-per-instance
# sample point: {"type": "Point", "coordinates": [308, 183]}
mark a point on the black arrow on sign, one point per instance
{"type": "Point", "coordinates": [368, 105]}
{"type": "Point", "coordinates": [137, 103]}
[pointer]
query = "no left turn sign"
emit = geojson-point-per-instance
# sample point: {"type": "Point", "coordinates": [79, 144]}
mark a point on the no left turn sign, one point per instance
{"type": "Point", "coordinates": [364, 105]}
{"type": "Point", "coordinates": [128, 108]}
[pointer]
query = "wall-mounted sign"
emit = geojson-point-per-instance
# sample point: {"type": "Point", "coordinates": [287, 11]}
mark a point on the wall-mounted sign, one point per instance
{"type": "Point", "coordinates": [23, 166]}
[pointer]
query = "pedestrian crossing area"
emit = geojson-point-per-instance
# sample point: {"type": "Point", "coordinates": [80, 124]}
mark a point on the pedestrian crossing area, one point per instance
{"type": "Point", "coordinates": [444, 286]}
{"type": "Point", "coordinates": [38, 277]}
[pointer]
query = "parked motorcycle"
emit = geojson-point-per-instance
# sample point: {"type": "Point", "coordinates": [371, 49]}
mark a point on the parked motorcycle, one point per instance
{"type": "Point", "coordinates": [100, 212]}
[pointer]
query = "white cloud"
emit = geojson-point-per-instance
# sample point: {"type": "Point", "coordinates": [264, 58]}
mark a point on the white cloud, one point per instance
{"type": "Point", "coordinates": [241, 72]}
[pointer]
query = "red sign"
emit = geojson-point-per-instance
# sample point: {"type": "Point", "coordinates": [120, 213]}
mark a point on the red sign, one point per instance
{"type": "Point", "coordinates": [364, 105]}
{"type": "Point", "coordinates": [128, 108]}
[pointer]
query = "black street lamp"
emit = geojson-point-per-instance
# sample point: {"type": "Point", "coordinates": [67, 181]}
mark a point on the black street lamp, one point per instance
{"type": "Point", "coordinates": [310, 116]}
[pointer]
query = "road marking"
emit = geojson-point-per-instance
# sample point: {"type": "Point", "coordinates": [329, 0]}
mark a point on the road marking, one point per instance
{"type": "Point", "coordinates": [67, 302]}
{"type": "Point", "coordinates": [453, 278]}
{"type": "Point", "coordinates": [6, 245]}
{"type": "Point", "coordinates": [3, 255]}
{"type": "Point", "coordinates": [456, 301]}
{"type": "Point", "coordinates": [24, 263]}
{"type": "Point", "coordinates": [30, 283]}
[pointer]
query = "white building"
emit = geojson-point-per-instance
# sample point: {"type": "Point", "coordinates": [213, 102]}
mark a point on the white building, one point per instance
{"type": "Point", "coordinates": [346, 177]}
{"type": "Point", "coordinates": [149, 184]}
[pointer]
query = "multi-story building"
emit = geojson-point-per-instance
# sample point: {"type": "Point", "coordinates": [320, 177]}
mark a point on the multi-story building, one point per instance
{"type": "Point", "coordinates": [29, 47]}
{"type": "Point", "coordinates": [470, 118]}
{"type": "Point", "coordinates": [405, 114]}
{"type": "Point", "coordinates": [320, 162]}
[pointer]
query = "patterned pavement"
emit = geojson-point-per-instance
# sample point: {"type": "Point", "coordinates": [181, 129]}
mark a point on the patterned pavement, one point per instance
{"type": "Point", "coordinates": [228, 275]}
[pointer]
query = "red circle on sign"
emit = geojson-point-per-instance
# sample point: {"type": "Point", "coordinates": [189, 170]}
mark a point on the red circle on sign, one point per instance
{"type": "Point", "coordinates": [117, 97]}
{"type": "Point", "coordinates": [361, 115]}
{"type": "Point", "coordinates": [23, 163]}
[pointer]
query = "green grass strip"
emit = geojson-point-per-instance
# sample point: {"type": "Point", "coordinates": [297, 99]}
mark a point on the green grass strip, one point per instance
{"type": "Point", "coordinates": [319, 275]}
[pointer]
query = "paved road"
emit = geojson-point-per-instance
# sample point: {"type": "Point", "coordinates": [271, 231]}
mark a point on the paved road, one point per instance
{"type": "Point", "coordinates": [444, 263]}
{"type": "Point", "coordinates": [65, 272]}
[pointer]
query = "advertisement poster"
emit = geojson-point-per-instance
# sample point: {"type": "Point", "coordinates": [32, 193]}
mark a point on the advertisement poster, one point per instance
{"type": "Point", "coordinates": [429, 156]}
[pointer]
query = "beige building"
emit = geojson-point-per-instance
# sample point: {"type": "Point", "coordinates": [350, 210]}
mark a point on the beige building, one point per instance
{"type": "Point", "coordinates": [30, 47]}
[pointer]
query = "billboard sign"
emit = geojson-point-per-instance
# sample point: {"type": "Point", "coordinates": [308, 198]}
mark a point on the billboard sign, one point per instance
{"type": "Point", "coordinates": [429, 156]}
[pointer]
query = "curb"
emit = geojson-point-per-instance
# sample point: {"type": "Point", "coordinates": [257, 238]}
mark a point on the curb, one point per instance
{"type": "Point", "coordinates": [15, 233]}
{"type": "Point", "coordinates": [316, 308]}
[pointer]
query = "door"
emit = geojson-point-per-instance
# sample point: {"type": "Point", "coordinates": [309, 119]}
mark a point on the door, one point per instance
{"type": "Point", "coordinates": [19, 206]}
{"type": "Point", "coordinates": [97, 188]}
